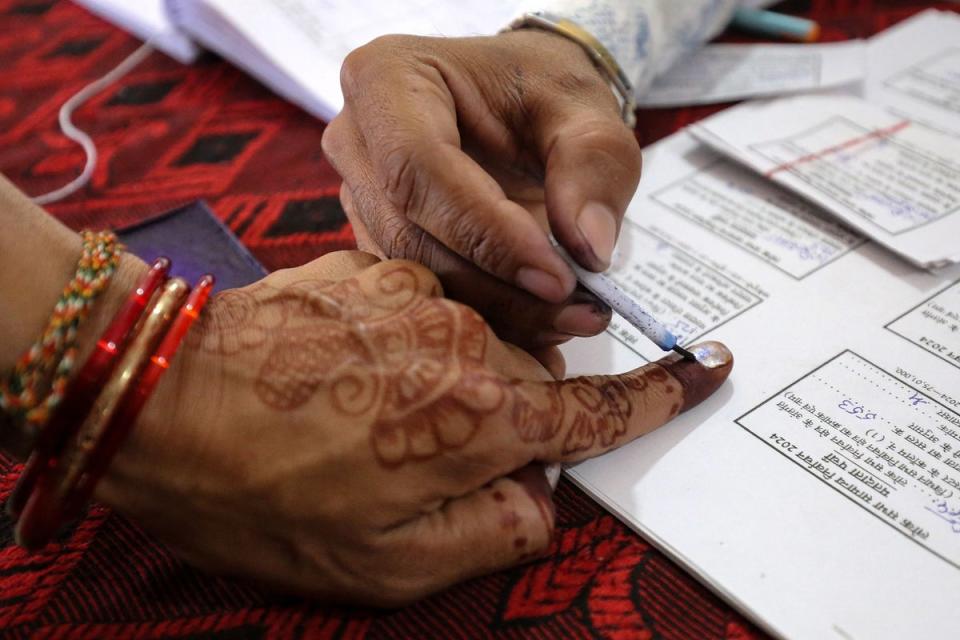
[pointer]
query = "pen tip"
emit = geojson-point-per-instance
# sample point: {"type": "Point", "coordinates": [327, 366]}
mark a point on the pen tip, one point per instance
{"type": "Point", "coordinates": [686, 354]}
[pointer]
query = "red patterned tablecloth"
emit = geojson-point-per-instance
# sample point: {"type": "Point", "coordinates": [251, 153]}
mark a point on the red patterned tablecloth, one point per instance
{"type": "Point", "coordinates": [169, 134]}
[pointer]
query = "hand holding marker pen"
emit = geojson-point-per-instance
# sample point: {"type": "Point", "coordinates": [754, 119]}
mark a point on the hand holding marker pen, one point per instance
{"type": "Point", "coordinates": [765, 22]}
{"type": "Point", "coordinates": [604, 288]}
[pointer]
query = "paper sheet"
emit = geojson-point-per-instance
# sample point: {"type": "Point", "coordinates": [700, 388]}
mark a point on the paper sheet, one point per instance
{"type": "Point", "coordinates": [893, 178]}
{"type": "Point", "coordinates": [723, 72]}
{"type": "Point", "coordinates": [887, 163]}
{"type": "Point", "coordinates": [819, 489]}
{"type": "Point", "coordinates": [147, 20]}
{"type": "Point", "coordinates": [297, 46]}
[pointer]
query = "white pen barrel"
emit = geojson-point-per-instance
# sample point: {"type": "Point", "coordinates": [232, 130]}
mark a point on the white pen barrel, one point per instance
{"type": "Point", "coordinates": [605, 289]}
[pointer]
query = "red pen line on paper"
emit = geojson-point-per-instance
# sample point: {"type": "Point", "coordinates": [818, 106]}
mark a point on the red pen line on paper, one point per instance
{"type": "Point", "coordinates": [877, 133]}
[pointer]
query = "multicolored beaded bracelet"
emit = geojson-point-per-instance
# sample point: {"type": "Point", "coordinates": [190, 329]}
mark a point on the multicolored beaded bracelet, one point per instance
{"type": "Point", "coordinates": [39, 378]}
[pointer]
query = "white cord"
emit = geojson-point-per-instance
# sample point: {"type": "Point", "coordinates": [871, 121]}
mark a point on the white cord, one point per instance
{"type": "Point", "coordinates": [78, 135]}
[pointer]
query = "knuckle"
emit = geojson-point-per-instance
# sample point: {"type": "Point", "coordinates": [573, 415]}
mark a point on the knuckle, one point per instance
{"type": "Point", "coordinates": [627, 150]}
{"type": "Point", "coordinates": [407, 241]}
{"type": "Point", "coordinates": [475, 242]}
{"type": "Point", "coordinates": [393, 234]}
{"type": "Point", "coordinates": [392, 42]}
{"type": "Point", "coordinates": [469, 317]}
{"type": "Point", "coordinates": [402, 182]}
{"type": "Point", "coordinates": [622, 146]}
{"type": "Point", "coordinates": [607, 137]}
{"type": "Point", "coordinates": [422, 279]}
{"type": "Point", "coordinates": [346, 202]}
{"type": "Point", "coordinates": [353, 69]}
{"type": "Point", "coordinates": [332, 142]}
{"type": "Point", "coordinates": [580, 82]}
{"type": "Point", "coordinates": [369, 61]}
{"type": "Point", "coordinates": [612, 148]}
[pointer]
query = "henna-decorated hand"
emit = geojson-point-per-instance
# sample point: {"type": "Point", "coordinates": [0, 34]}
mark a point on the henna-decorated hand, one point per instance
{"type": "Point", "coordinates": [341, 430]}
{"type": "Point", "coordinates": [456, 152]}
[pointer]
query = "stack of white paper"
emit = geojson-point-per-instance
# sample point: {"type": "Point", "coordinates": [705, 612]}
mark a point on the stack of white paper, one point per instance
{"type": "Point", "coordinates": [819, 489]}
{"type": "Point", "coordinates": [148, 20]}
{"type": "Point", "coordinates": [886, 163]}
{"type": "Point", "coordinates": [296, 47]}
{"type": "Point", "coordinates": [725, 72]}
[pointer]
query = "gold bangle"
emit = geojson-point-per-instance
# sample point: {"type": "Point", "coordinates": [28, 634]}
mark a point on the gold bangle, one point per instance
{"type": "Point", "coordinates": [152, 328]}
{"type": "Point", "coordinates": [598, 53]}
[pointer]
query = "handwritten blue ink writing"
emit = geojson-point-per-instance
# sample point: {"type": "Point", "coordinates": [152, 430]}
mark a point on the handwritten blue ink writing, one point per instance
{"type": "Point", "coordinates": [857, 410]}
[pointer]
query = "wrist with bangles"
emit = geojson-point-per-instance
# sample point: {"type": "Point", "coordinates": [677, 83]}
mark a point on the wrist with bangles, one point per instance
{"type": "Point", "coordinates": [77, 423]}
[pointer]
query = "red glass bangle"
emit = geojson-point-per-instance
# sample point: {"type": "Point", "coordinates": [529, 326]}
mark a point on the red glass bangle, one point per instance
{"type": "Point", "coordinates": [81, 392]}
{"type": "Point", "coordinates": [134, 401]}
{"type": "Point", "coordinates": [43, 511]}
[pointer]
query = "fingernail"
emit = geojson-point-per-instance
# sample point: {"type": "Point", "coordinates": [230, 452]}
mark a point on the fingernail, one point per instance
{"type": "Point", "coordinates": [712, 355]}
{"type": "Point", "coordinates": [698, 380]}
{"type": "Point", "coordinates": [553, 471]}
{"type": "Point", "coordinates": [585, 319]}
{"type": "Point", "coordinates": [598, 224]}
{"type": "Point", "coordinates": [533, 478]}
{"type": "Point", "coordinates": [541, 284]}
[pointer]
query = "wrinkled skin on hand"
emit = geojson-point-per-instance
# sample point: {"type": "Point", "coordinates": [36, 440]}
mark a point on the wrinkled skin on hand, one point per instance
{"type": "Point", "coordinates": [460, 153]}
{"type": "Point", "coordinates": [342, 430]}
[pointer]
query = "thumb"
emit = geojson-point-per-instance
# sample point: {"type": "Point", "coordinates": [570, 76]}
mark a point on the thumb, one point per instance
{"type": "Point", "coordinates": [593, 165]}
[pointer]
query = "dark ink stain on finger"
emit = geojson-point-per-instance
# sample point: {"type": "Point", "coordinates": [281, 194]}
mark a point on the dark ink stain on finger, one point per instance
{"type": "Point", "coordinates": [699, 379]}
{"type": "Point", "coordinates": [520, 543]}
{"type": "Point", "coordinates": [675, 409]}
{"type": "Point", "coordinates": [669, 388]}
{"type": "Point", "coordinates": [498, 496]}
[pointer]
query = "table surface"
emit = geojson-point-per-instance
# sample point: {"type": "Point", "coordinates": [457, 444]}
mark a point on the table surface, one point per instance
{"type": "Point", "coordinates": [169, 134]}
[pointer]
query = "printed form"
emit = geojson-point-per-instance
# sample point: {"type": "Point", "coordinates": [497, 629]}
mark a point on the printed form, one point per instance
{"type": "Point", "coordinates": [819, 489]}
{"type": "Point", "coordinates": [887, 163]}
{"type": "Point", "coordinates": [724, 72]}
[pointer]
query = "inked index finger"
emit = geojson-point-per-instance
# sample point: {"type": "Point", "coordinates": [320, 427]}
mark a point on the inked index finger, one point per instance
{"type": "Point", "coordinates": [579, 418]}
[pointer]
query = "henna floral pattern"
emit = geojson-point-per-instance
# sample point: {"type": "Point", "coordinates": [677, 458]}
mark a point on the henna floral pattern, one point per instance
{"type": "Point", "coordinates": [236, 326]}
{"type": "Point", "coordinates": [412, 363]}
{"type": "Point", "coordinates": [437, 389]}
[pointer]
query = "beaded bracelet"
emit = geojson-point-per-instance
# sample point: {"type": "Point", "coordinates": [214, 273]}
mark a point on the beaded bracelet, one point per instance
{"type": "Point", "coordinates": [40, 376]}
{"type": "Point", "coordinates": [43, 510]}
{"type": "Point", "coordinates": [81, 392]}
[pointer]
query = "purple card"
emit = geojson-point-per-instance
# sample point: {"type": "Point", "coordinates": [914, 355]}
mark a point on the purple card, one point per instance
{"type": "Point", "coordinates": [197, 243]}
